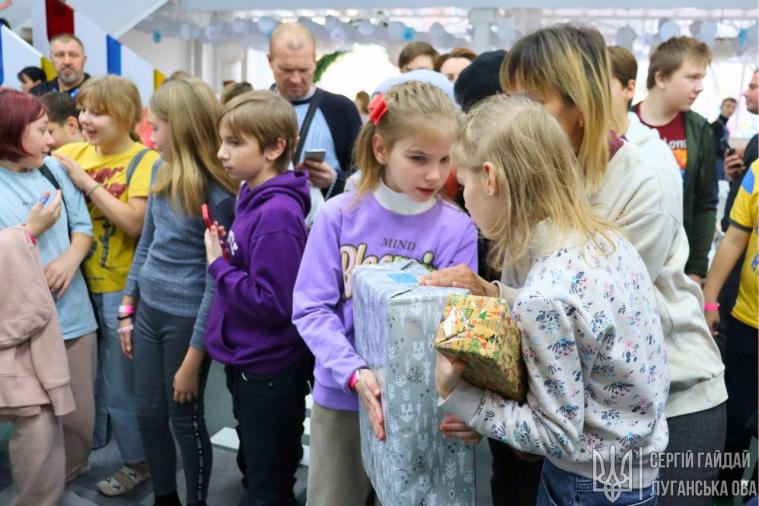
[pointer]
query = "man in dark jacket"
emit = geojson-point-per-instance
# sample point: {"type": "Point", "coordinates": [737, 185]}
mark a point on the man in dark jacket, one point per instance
{"type": "Point", "coordinates": [335, 123]}
{"type": "Point", "coordinates": [675, 77]}
{"type": "Point", "coordinates": [68, 57]}
{"type": "Point", "coordinates": [721, 133]}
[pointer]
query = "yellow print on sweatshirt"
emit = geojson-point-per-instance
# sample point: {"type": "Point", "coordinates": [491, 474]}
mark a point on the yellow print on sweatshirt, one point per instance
{"type": "Point", "coordinates": [351, 256]}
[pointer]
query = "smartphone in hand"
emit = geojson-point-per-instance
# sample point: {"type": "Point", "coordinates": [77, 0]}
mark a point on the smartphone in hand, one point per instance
{"type": "Point", "coordinates": [205, 212]}
{"type": "Point", "coordinates": [316, 155]}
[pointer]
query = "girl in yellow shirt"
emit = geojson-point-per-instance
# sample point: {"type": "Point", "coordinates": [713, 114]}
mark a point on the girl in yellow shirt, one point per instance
{"type": "Point", "coordinates": [113, 171]}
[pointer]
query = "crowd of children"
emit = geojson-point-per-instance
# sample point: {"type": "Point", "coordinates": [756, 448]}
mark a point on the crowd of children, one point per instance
{"type": "Point", "coordinates": [159, 262]}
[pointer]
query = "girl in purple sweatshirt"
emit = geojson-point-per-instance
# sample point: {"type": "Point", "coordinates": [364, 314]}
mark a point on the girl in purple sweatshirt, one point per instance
{"type": "Point", "coordinates": [250, 327]}
{"type": "Point", "coordinates": [395, 213]}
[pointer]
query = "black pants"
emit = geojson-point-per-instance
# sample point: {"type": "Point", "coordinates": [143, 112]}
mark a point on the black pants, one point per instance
{"type": "Point", "coordinates": [741, 379]}
{"type": "Point", "coordinates": [515, 481]}
{"type": "Point", "coordinates": [270, 409]}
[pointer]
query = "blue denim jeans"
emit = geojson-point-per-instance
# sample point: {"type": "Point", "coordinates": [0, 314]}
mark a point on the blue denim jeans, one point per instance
{"type": "Point", "coordinates": [117, 372]}
{"type": "Point", "coordinates": [562, 488]}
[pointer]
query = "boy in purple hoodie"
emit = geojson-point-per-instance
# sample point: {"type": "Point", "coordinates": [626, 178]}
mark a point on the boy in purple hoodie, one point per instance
{"type": "Point", "coordinates": [249, 327]}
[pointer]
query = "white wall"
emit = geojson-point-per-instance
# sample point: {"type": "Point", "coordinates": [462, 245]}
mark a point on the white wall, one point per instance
{"type": "Point", "coordinates": [116, 17]}
{"type": "Point", "coordinates": [167, 56]}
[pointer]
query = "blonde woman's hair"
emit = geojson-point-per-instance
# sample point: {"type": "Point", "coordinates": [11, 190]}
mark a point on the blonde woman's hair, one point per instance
{"type": "Point", "coordinates": [115, 96]}
{"type": "Point", "coordinates": [413, 108]}
{"type": "Point", "coordinates": [191, 110]}
{"type": "Point", "coordinates": [573, 61]}
{"type": "Point", "coordinates": [536, 170]}
{"type": "Point", "coordinates": [265, 117]}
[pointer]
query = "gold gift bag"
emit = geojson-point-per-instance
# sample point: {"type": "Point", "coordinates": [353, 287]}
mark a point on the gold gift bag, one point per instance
{"type": "Point", "coordinates": [481, 332]}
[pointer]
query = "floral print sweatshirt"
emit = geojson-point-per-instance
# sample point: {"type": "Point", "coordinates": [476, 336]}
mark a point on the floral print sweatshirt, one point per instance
{"type": "Point", "coordinates": [597, 368]}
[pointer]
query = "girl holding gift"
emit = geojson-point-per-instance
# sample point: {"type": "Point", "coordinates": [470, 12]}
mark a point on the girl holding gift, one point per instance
{"type": "Point", "coordinates": [396, 211]}
{"type": "Point", "coordinates": [565, 68]}
{"type": "Point", "coordinates": [591, 336]}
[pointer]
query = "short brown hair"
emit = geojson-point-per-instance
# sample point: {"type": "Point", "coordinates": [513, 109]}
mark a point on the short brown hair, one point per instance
{"type": "Point", "coordinates": [670, 55]}
{"type": "Point", "coordinates": [414, 49]}
{"type": "Point", "coordinates": [266, 117]}
{"type": "Point", "coordinates": [456, 52]}
{"type": "Point", "coordinates": [362, 99]}
{"type": "Point", "coordinates": [116, 96]}
{"type": "Point", "coordinates": [66, 37]}
{"type": "Point", "coordinates": [234, 89]}
{"type": "Point", "coordinates": [623, 65]}
{"type": "Point", "coordinates": [60, 106]}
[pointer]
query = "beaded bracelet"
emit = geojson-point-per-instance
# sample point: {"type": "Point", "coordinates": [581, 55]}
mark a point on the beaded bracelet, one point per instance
{"type": "Point", "coordinates": [89, 192]}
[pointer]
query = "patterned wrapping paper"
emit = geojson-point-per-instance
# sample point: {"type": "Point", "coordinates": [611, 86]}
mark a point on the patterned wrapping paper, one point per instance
{"type": "Point", "coordinates": [481, 332]}
{"type": "Point", "coordinates": [395, 323]}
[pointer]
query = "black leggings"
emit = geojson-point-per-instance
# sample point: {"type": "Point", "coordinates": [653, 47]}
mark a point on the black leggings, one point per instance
{"type": "Point", "coordinates": [160, 342]}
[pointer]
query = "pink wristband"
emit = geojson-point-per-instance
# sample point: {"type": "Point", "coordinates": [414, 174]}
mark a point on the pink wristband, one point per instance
{"type": "Point", "coordinates": [30, 237]}
{"type": "Point", "coordinates": [711, 307]}
{"type": "Point", "coordinates": [354, 379]}
{"type": "Point", "coordinates": [126, 309]}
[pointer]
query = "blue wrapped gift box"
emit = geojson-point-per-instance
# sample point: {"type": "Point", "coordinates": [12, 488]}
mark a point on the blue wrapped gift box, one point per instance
{"type": "Point", "coordinates": [395, 325]}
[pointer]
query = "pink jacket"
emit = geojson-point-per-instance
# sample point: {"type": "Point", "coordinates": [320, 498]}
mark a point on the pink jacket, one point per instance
{"type": "Point", "coordinates": [33, 364]}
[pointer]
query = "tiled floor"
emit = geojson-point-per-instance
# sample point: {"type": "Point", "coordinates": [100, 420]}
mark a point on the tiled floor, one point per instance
{"type": "Point", "coordinates": [225, 489]}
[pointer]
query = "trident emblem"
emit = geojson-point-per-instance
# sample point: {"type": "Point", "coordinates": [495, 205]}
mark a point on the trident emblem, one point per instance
{"type": "Point", "coordinates": [614, 483]}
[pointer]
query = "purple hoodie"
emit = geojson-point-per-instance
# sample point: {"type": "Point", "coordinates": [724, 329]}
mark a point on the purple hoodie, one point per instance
{"type": "Point", "coordinates": [346, 234]}
{"type": "Point", "coordinates": [250, 325]}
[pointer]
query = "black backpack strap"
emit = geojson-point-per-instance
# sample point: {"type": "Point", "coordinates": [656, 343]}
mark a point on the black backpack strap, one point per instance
{"type": "Point", "coordinates": [134, 163]}
{"type": "Point", "coordinates": [45, 171]}
{"type": "Point", "coordinates": [313, 105]}
{"type": "Point", "coordinates": [48, 174]}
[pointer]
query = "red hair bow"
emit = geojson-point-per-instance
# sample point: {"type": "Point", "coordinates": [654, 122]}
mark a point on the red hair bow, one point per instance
{"type": "Point", "coordinates": [377, 108]}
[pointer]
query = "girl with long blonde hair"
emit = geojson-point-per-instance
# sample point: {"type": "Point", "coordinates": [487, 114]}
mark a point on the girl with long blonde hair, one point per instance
{"type": "Point", "coordinates": [566, 69]}
{"type": "Point", "coordinates": [585, 311]}
{"type": "Point", "coordinates": [173, 294]}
